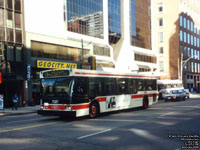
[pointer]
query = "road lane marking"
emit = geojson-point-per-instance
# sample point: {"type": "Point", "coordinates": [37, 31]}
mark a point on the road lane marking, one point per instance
{"type": "Point", "coordinates": [166, 114]}
{"type": "Point", "coordinates": [85, 136]}
{"type": "Point", "coordinates": [22, 121]}
{"type": "Point", "coordinates": [27, 127]}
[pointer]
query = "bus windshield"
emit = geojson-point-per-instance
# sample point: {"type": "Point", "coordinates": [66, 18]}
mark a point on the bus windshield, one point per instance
{"type": "Point", "coordinates": [57, 88]}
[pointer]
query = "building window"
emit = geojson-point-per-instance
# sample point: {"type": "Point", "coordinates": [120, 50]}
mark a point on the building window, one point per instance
{"type": "Point", "coordinates": [188, 24]}
{"type": "Point", "coordinates": [9, 19]}
{"type": "Point", "coordinates": [1, 3]}
{"type": "Point", "coordinates": [144, 58]}
{"type": "Point", "coordinates": [160, 7]}
{"type": "Point", "coordinates": [9, 4]}
{"type": "Point", "coordinates": [85, 17]}
{"type": "Point", "coordinates": [2, 22]}
{"type": "Point", "coordinates": [161, 51]}
{"type": "Point", "coordinates": [188, 38]}
{"type": "Point", "coordinates": [181, 21]}
{"type": "Point", "coordinates": [18, 20]}
{"type": "Point", "coordinates": [192, 40]}
{"type": "Point", "coordinates": [192, 53]}
{"type": "Point", "coordinates": [18, 5]}
{"type": "Point", "coordinates": [189, 53]}
{"type": "Point", "coordinates": [185, 23]}
{"type": "Point", "coordinates": [160, 22]}
{"type": "Point", "coordinates": [140, 33]}
{"type": "Point", "coordinates": [161, 66]}
{"type": "Point", "coordinates": [47, 50]}
{"type": "Point", "coordinates": [114, 20]}
{"type": "Point", "coordinates": [160, 37]}
{"type": "Point", "coordinates": [195, 41]}
{"type": "Point", "coordinates": [102, 51]}
{"type": "Point", "coordinates": [192, 26]}
{"type": "Point", "coordinates": [181, 35]}
{"type": "Point", "coordinates": [185, 37]}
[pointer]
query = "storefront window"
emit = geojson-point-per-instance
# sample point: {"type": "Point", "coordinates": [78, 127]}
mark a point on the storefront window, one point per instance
{"type": "Point", "coordinates": [46, 50]}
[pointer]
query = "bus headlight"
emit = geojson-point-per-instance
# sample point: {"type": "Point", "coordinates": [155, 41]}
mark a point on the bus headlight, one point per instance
{"type": "Point", "coordinates": [68, 108]}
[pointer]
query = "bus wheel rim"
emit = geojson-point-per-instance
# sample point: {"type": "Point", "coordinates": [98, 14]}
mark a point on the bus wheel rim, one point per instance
{"type": "Point", "coordinates": [93, 110]}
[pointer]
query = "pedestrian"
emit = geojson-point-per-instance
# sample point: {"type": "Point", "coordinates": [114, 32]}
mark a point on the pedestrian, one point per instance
{"type": "Point", "coordinates": [15, 99]}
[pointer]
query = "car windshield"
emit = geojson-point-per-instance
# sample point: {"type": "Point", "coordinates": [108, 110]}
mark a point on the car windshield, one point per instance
{"type": "Point", "coordinates": [174, 92]}
{"type": "Point", "coordinates": [59, 88]}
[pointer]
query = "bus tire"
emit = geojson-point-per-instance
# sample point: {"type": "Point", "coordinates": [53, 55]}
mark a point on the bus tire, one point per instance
{"type": "Point", "coordinates": [145, 103]}
{"type": "Point", "coordinates": [94, 110]}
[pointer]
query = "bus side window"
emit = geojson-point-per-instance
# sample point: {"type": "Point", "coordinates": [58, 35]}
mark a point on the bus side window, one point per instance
{"type": "Point", "coordinates": [95, 87]}
{"type": "Point", "coordinates": [132, 86]}
{"type": "Point", "coordinates": [141, 85]}
{"type": "Point", "coordinates": [122, 86]}
{"type": "Point", "coordinates": [110, 86]}
{"type": "Point", "coordinates": [80, 87]}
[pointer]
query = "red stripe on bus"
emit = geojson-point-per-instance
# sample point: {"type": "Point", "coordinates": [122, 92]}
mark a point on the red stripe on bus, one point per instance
{"type": "Point", "coordinates": [77, 107]}
{"type": "Point", "coordinates": [137, 96]}
{"type": "Point", "coordinates": [101, 99]}
{"type": "Point", "coordinates": [56, 107]}
{"type": "Point", "coordinates": [118, 75]}
{"type": "Point", "coordinates": [142, 95]}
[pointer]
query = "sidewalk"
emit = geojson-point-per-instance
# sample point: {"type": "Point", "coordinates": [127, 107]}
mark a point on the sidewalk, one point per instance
{"type": "Point", "coordinates": [19, 111]}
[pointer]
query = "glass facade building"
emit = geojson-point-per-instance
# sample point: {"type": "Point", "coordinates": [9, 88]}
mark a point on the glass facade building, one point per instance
{"type": "Point", "coordinates": [11, 49]}
{"type": "Point", "coordinates": [140, 23]}
{"type": "Point", "coordinates": [85, 17]}
{"type": "Point", "coordinates": [114, 20]}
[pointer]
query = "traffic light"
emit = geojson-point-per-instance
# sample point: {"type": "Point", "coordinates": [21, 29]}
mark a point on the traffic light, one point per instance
{"type": "Point", "coordinates": [92, 61]}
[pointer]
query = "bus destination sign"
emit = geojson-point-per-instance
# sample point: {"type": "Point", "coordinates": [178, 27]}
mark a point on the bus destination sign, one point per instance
{"type": "Point", "coordinates": [56, 73]}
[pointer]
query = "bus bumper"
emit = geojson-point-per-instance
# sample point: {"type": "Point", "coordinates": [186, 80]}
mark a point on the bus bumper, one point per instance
{"type": "Point", "coordinates": [57, 113]}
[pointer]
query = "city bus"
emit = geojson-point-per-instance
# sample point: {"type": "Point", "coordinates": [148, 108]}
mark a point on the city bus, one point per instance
{"type": "Point", "coordinates": [78, 92]}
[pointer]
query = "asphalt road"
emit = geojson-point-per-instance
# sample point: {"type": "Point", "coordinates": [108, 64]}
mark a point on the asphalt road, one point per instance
{"type": "Point", "coordinates": [164, 126]}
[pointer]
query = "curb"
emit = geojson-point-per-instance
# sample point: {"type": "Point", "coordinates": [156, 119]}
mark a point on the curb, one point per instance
{"type": "Point", "coordinates": [2, 114]}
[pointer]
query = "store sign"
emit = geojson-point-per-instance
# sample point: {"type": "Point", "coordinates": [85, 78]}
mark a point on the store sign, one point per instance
{"type": "Point", "coordinates": [1, 101]}
{"type": "Point", "coordinates": [55, 65]}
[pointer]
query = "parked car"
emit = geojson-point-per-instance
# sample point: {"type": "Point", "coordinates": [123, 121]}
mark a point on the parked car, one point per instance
{"type": "Point", "coordinates": [163, 92]}
{"type": "Point", "coordinates": [174, 95]}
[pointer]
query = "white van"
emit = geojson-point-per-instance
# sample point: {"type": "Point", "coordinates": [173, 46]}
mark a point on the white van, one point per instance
{"type": "Point", "coordinates": [163, 92]}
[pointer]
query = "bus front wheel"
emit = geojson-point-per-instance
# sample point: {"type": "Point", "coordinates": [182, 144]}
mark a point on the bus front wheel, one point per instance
{"type": "Point", "coordinates": [94, 110]}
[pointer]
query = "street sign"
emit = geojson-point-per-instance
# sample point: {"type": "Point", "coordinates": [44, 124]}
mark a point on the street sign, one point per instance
{"type": "Point", "coordinates": [1, 101]}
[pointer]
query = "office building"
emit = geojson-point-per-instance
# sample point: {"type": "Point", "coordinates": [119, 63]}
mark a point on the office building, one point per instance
{"type": "Point", "coordinates": [176, 30]}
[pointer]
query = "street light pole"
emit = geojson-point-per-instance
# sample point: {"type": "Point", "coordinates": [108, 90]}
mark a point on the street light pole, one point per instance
{"type": "Point", "coordinates": [183, 63]}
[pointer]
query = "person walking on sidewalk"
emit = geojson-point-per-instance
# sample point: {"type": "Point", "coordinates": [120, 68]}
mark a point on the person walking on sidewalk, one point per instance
{"type": "Point", "coordinates": [15, 99]}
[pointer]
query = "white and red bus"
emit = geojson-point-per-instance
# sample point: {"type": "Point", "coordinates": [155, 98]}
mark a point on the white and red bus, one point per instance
{"type": "Point", "coordinates": [77, 92]}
